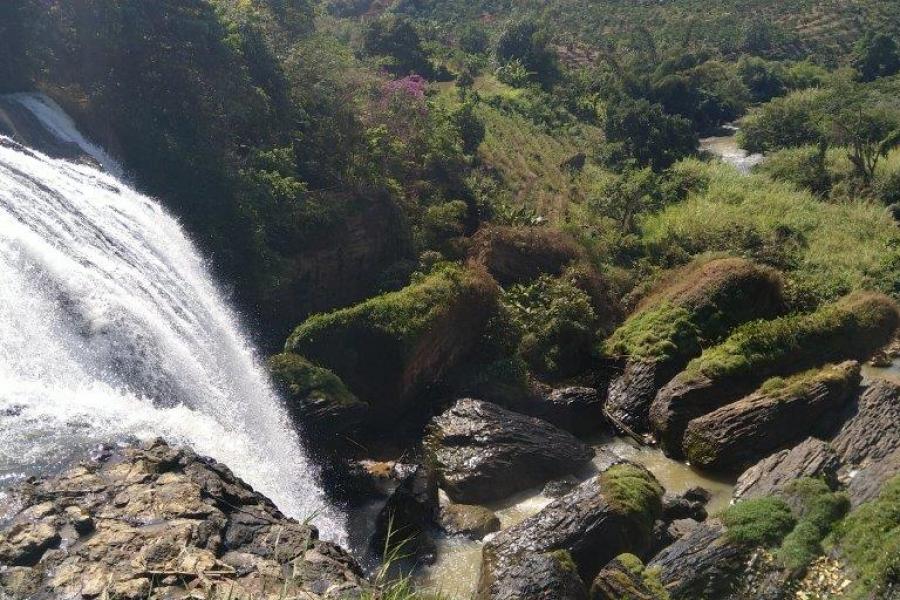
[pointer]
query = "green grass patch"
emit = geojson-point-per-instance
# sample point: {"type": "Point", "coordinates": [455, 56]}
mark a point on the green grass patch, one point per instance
{"type": "Point", "coordinates": [853, 327]}
{"type": "Point", "coordinates": [869, 539]}
{"type": "Point", "coordinates": [822, 508]}
{"type": "Point", "coordinates": [825, 249]}
{"type": "Point", "coordinates": [758, 522]}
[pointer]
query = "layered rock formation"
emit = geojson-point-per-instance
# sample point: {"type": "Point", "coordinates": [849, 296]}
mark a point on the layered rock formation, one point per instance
{"type": "Point", "coordinates": [157, 522]}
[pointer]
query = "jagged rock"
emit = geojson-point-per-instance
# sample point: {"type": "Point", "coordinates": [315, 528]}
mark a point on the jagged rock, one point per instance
{"type": "Point", "coordinates": [602, 518]}
{"type": "Point", "coordinates": [810, 458]}
{"type": "Point", "coordinates": [702, 564]}
{"type": "Point", "coordinates": [622, 579]}
{"type": "Point", "coordinates": [578, 410]}
{"type": "Point", "coordinates": [865, 485]}
{"type": "Point", "coordinates": [469, 520]}
{"type": "Point", "coordinates": [739, 434]}
{"type": "Point", "coordinates": [873, 433]}
{"type": "Point", "coordinates": [483, 452]}
{"type": "Point", "coordinates": [392, 347]}
{"type": "Point", "coordinates": [125, 523]}
{"type": "Point", "coordinates": [408, 515]}
{"type": "Point", "coordinates": [630, 395]}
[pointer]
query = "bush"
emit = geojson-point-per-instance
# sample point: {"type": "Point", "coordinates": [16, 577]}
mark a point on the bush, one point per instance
{"type": "Point", "coordinates": [396, 38]}
{"type": "Point", "coordinates": [792, 120]}
{"type": "Point", "coordinates": [876, 55]}
{"type": "Point", "coordinates": [758, 522]}
{"type": "Point", "coordinates": [641, 132]}
{"type": "Point", "coordinates": [558, 325]}
{"type": "Point", "coordinates": [526, 43]}
{"type": "Point", "coordinates": [804, 166]}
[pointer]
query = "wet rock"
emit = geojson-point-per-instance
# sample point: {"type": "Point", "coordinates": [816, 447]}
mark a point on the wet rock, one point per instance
{"type": "Point", "coordinates": [739, 434]}
{"type": "Point", "coordinates": [702, 564]}
{"type": "Point", "coordinates": [873, 433]}
{"type": "Point", "coordinates": [630, 394]}
{"type": "Point", "coordinates": [578, 410]}
{"type": "Point", "coordinates": [408, 515]}
{"type": "Point", "coordinates": [483, 452]}
{"type": "Point", "coordinates": [622, 578]}
{"type": "Point", "coordinates": [559, 487]}
{"type": "Point", "coordinates": [665, 533]}
{"type": "Point", "coordinates": [690, 505]}
{"type": "Point", "coordinates": [127, 521]}
{"type": "Point", "coordinates": [542, 576]}
{"type": "Point", "coordinates": [469, 520]}
{"type": "Point", "coordinates": [811, 458]}
{"type": "Point", "coordinates": [602, 518]}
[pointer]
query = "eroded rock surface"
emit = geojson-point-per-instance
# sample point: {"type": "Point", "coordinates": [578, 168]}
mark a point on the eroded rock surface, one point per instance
{"type": "Point", "coordinates": [874, 432]}
{"type": "Point", "coordinates": [811, 458]}
{"type": "Point", "coordinates": [158, 522]}
{"type": "Point", "coordinates": [483, 452]}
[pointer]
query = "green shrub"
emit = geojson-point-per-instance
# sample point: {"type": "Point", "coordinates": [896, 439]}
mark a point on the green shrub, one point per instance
{"type": "Point", "coordinates": [804, 166]}
{"type": "Point", "coordinates": [869, 539]}
{"type": "Point", "coordinates": [758, 522]}
{"type": "Point", "coordinates": [792, 120]}
{"type": "Point", "coordinates": [300, 378]}
{"type": "Point", "coordinates": [557, 322]}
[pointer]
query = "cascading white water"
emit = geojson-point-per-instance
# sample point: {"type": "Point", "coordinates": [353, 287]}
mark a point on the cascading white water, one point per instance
{"type": "Point", "coordinates": [111, 328]}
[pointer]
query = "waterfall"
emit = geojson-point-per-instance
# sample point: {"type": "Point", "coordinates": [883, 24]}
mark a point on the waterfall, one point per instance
{"type": "Point", "coordinates": [112, 329]}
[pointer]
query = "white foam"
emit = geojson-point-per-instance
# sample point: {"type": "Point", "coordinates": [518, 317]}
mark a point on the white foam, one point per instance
{"type": "Point", "coordinates": [111, 328]}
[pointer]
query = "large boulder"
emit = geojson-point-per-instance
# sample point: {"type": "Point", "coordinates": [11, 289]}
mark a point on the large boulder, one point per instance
{"type": "Point", "coordinates": [470, 520]}
{"type": "Point", "coordinates": [694, 307]}
{"type": "Point", "coordinates": [605, 516]}
{"type": "Point", "coordinates": [850, 329]}
{"type": "Point", "coordinates": [390, 348]}
{"type": "Point", "coordinates": [403, 526]}
{"type": "Point", "coordinates": [705, 563]}
{"type": "Point", "coordinates": [157, 522]}
{"type": "Point", "coordinates": [811, 458]}
{"type": "Point", "coordinates": [576, 409]}
{"type": "Point", "coordinates": [783, 411]}
{"type": "Point", "coordinates": [325, 409]}
{"type": "Point", "coordinates": [483, 452]}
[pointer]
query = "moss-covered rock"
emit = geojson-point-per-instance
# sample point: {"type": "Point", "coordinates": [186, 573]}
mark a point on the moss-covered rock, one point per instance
{"type": "Point", "coordinates": [758, 522]}
{"type": "Point", "coordinates": [626, 578]}
{"type": "Point", "coordinates": [521, 254]}
{"type": "Point", "coordinates": [782, 411]}
{"type": "Point", "coordinates": [694, 307]}
{"type": "Point", "coordinates": [851, 328]}
{"type": "Point", "coordinates": [316, 396]}
{"type": "Point", "coordinates": [389, 348]}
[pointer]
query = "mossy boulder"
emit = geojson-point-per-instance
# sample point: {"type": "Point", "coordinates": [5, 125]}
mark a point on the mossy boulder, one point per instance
{"type": "Point", "coordinates": [388, 349]}
{"type": "Point", "coordinates": [694, 307]}
{"type": "Point", "coordinates": [320, 401]}
{"type": "Point", "coordinates": [470, 520]}
{"type": "Point", "coordinates": [605, 516]}
{"type": "Point", "coordinates": [626, 578]}
{"type": "Point", "coordinates": [852, 328]}
{"type": "Point", "coordinates": [783, 411]}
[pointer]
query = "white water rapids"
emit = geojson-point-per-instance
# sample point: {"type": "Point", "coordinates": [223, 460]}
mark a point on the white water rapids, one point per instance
{"type": "Point", "coordinates": [112, 329]}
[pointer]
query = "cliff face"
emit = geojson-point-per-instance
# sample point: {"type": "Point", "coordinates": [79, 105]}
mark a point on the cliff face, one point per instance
{"type": "Point", "coordinates": [20, 124]}
{"type": "Point", "coordinates": [342, 266]}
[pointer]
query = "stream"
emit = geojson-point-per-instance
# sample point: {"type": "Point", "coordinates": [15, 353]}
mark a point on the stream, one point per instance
{"type": "Point", "coordinates": [455, 572]}
{"type": "Point", "coordinates": [726, 148]}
